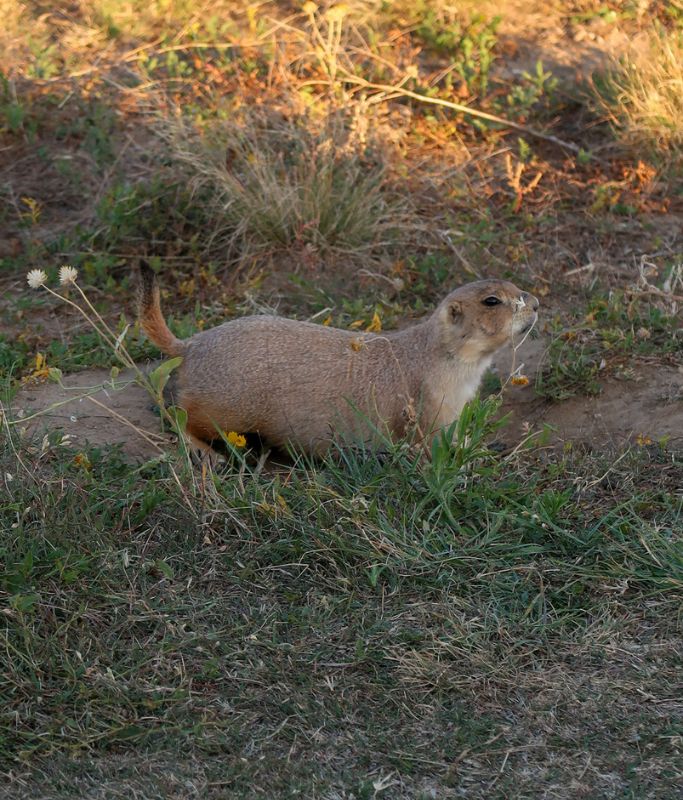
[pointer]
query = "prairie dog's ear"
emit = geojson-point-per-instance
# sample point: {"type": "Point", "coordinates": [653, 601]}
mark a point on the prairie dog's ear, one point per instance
{"type": "Point", "coordinates": [455, 310]}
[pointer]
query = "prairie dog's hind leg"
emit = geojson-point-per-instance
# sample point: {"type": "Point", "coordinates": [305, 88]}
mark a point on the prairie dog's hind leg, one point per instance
{"type": "Point", "coordinates": [200, 431]}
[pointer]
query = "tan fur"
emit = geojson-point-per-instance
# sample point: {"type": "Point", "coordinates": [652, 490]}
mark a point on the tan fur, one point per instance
{"type": "Point", "coordinates": [305, 385]}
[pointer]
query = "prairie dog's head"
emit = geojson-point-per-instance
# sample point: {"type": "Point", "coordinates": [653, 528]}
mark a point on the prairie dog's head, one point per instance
{"type": "Point", "coordinates": [479, 318]}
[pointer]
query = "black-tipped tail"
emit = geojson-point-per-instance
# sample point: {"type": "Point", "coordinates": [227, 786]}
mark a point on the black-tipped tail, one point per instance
{"type": "Point", "coordinates": [151, 319]}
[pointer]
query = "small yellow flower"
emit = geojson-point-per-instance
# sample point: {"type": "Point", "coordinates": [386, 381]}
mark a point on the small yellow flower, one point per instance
{"type": "Point", "coordinates": [236, 439]}
{"type": "Point", "coordinates": [643, 440]}
{"type": "Point", "coordinates": [36, 278]}
{"type": "Point", "coordinates": [519, 380]}
{"type": "Point", "coordinates": [357, 323]}
{"type": "Point", "coordinates": [40, 372]}
{"type": "Point", "coordinates": [67, 275]}
{"type": "Point", "coordinates": [337, 13]}
{"type": "Point", "coordinates": [82, 461]}
{"type": "Point", "coordinates": [376, 325]}
{"type": "Point", "coordinates": [187, 288]}
{"type": "Point", "coordinates": [34, 208]}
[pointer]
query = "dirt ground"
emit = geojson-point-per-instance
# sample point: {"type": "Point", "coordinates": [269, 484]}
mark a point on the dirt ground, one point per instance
{"type": "Point", "coordinates": [625, 412]}
{"type": "Point", "coordinates": [648, 406]}
{"type": "Point", "coordinates": [101, 417]}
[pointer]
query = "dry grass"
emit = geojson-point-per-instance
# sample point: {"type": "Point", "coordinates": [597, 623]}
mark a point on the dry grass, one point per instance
{"type": "Point", "coordinates": [274, 182]}
{"type": "Point", "coordinates": [643, 96]}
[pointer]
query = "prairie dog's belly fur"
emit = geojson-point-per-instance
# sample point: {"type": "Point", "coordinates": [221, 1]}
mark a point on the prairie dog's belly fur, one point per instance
{"type": "Point", "coordinates": [306, 385]}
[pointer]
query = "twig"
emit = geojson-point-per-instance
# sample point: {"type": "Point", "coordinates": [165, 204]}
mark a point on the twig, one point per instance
{"type": "Point", "coordinates": [654, 292]}
{"type": "Point", "coordinates": [397, 91]}
{"type": "Point", "coordinates": [576, 270]}
{"type": "Point", "coordinates": [612, 466]}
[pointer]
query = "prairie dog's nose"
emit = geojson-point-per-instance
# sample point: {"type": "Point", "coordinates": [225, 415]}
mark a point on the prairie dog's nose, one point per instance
{"type": "Point", "coordinates": [530, 300]}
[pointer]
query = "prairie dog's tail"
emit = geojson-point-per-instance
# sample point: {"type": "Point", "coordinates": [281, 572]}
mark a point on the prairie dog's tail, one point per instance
{"type": "Point", "coordinates": [151, 319]}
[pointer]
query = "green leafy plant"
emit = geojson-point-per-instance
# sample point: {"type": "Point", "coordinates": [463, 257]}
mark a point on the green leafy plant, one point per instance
{"type": "Point", "coordinates": [469, 42]}
{"type": "Point", "coordinates": [535, 87]}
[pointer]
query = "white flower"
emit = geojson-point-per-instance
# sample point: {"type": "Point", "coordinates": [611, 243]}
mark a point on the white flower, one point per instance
{"type": "Point", "coordinates": [67, 275]}
{"type": "Point", "coordinates": [36, 278]}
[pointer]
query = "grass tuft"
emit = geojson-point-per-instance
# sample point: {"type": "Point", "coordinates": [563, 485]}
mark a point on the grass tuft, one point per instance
{"type": "Point", "coordinates": [276, 184]}
{"type": "Point", "coordinates": [643, 95]}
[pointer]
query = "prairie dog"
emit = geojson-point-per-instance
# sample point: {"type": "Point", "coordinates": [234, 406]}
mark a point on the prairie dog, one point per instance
{"type": "Point", "coordinates": [301, 384]}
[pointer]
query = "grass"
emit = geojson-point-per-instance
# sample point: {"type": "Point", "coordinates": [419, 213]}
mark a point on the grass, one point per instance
{"type": "Point", "coordinates": [469, 38]}
{"type": "Point", "coordinates": [643, 94]}
{"type": "Point", "coordinates": [235, 617]}
{"type": "Point", "coordinates": [500, 622]}
{"type": "Point", "coordinates": [609, 338]}
{"type": "Point", "coordinates": [274, 183]}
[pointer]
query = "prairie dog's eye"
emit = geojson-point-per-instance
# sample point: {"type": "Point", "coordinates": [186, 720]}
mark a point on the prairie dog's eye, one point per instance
{"type": "Point", "coordinates": [491, 301]}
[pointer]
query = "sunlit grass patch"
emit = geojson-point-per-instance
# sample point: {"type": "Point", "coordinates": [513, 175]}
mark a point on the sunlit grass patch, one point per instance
{"type": "Point", "coordinates": [643, 96]}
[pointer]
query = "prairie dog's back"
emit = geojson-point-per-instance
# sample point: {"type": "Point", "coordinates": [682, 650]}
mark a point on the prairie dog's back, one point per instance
{"type": "Point", "coordinates": [261, 348]}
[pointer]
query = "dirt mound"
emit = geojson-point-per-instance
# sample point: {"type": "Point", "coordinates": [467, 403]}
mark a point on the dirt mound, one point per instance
{"type": "Point", "coordinates": [625, 411]}
{"type": "Point", "coordinates": [648, 411]}
{"type": "Point", "coordinates": [92, 412]}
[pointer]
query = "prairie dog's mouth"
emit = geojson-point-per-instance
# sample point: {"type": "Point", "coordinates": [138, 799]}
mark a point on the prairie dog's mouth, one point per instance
{"type": "Point", "coordinates": [519, 326]}
{"type": "Point", "coordinates": [530, 324]}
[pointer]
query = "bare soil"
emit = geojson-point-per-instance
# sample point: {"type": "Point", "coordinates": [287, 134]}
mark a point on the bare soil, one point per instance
{"type": "Point", "coordinates": [103, 417]}
{"type": "Point", "coordinates": [647, 408]}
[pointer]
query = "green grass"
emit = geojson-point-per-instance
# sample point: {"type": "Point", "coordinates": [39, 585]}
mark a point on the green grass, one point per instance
{"type": "Point", "coordinates": [369, 600]}
{"type": "Point", "coordinates": [608, 339]}
{"type": "Point", "coordinates": [83, 350]}
{"type": "Point", "coordinates": [469, 42]}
